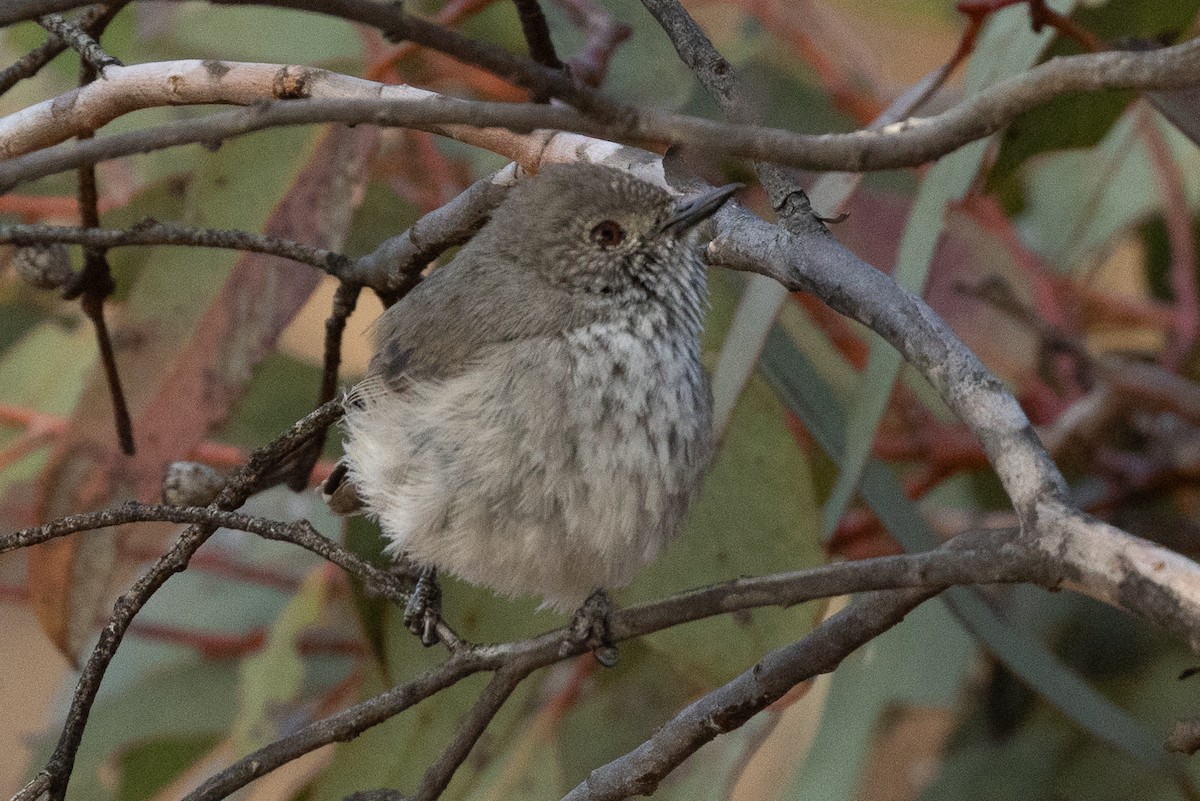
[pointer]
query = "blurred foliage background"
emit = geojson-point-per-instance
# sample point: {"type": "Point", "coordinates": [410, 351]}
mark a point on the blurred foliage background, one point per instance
{"type": "Point", "coordinates": [1058, 251]}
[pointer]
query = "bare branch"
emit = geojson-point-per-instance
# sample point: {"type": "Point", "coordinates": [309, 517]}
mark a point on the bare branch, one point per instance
{"type": "Point", "coordinates": [300, 533]}
{"type": "Point", "coordinates": [239, 487]}
{"type": "Point", "coordinates": [394, 22]}
{"type": "Point", "coordinates": [439, 774]}
{"type": "Point", "coordinates": [908, 144]}
{"type": "Point", "coordinates": [395, 266]}
{"type": "Point", "coordinates": [80, 41]}
{"type": "Point", "coordinates": [341, 727]}
{"type": "Point", "coordinates": [94, 283]}
{"type": "Point", "coordinates": [983, 557]}
{"type": "Point", "coordinates": [152, 232]}
{"type": "Point", "coordinates": [725, 709]}
{"type": "Point", "coordinates": [604, 35]}
{"type": "Point", "coordinates": [537, 34]}
{"type": "Point", "coordinates": [694, 48]}
{"type": "Point", "coordinates": [1103, 561]}
{"type": "Point", "coordinates": [296, 472]}
{"type": "Point", "coordinates": [94, 19]}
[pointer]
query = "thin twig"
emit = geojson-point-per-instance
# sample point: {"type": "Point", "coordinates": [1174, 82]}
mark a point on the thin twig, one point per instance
{"type": "Point", "coordinates": [93, 19]}
{"type": "Point", "coordinates": [239, 487]}
{"type": "Point", "coordinates": [340, 727]}
{"type": "Point", "coordinates": [897, 146]}
{"type": "Point", "coordinates": [80, 41]}
{"type": "Point", "coordinates": [537, 34]}
{"type": "Point", "coordinates": [93, 306]}
{"type": "Point", "coordinates": [437, 777]}
{"type": "Point", "coordinates": [979, 557]}
{"type": "Point", "coordinates": [153, 232]}
{"type": "Point", "coordinates": [694, 48]}
{"type": "Point", "coordinates": [727, 708]}
{"type": "Point", "coordinates": [604, 36]}
{"type": "Point", "coordinates": [450, 14]}
{"type": "Point", "coordinates": [345, 298]}
{"type": "Point", "coordinates": [94, 283]}
{"type": "Point", "coordinates": [300, 533]}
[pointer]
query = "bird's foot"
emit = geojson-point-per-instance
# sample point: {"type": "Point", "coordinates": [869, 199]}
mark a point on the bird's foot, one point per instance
{"type": "Point", "coordinates": [589, 626]}
{"type": "Point", "coordinates": [423, 611]}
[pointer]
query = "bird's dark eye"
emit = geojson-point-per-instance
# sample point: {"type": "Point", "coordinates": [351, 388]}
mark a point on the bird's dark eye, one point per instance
{"type": "Point", "coordinates": [608, 234]}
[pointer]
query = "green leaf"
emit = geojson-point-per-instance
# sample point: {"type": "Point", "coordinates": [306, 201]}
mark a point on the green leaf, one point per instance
{"type": "Point", "coordinates": [1125, 19]}
{"type": "Point", "coordinates": [190, 700]}
{"type": "Point", "coordinates": [1079, 202]}
{"type": "Point", "coordinates": [44, 371]}
{"type": "Point", "coordinates": [1083, 119]}
{"type": "Point", "coordinates": [236, 33]}
{"type": "Point", "coordinates": [1045, 754]}
{"type": "Point", "coordinates": [807, 394]}
{"type": "Point", "coordinates": [1005, 48]}
{"type": "Point", "coordinates": [271, 680]}
{"type": "Point", "coordinates": [530, 768]}
{"type": "Point", "coordinates": [282, 391]}
{"type": "Point", "coordinates": [1072, 120]}
{"type": "Point", "coordinates": [148, 767]}
{"type": "Point", "coordinates": [396, 753]}
{"type": "Point", "coordinates": [363, 539]}
{"type": "Point", "coordinates": [1059, 685]}
{"type": "Point", "coordinates": [620, 707]}
{"type": "Point", "coordinates": [755, 515]}
{"type": "Point", "coordinates": [923, 662]}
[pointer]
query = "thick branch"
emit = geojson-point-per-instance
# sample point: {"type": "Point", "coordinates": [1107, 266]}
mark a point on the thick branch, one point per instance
{"type": "Point", "coordinates": [394, 22]}
{"type": "Point", "coordinates": [902, 145]}
{"type": "Point", "coordinates": [1101, 560]}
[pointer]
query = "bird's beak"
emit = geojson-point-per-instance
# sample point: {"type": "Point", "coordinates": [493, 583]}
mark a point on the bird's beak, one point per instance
{"type": "Point", "coordinates": [698, 209]}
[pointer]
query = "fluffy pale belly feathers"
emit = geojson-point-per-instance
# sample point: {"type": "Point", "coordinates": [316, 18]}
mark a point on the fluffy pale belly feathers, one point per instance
{"type": "Point", "coordinates": [531, 486]}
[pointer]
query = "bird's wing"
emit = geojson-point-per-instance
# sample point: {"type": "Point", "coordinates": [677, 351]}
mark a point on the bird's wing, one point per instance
{"type": "Point", "coordinates": [452, 317]}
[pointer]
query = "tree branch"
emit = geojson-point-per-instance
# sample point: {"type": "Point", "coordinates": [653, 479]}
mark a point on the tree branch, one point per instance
{"type": "Point", "coordinates": [437, 777]}
{"type": "Point", "coordinates": [80, 41]}
{"type": "Point", "coordinates": [94, 19]}
{"type": "Point", "coordinates": [152, 232]}
{"type": "Point", "coordinates": [727, 708]}
{"type": "Point", "coordinates": [300, 533]}
{"type": "Point", "coordinates": [902, 145]}
{"type": "Point", "coordinates": [537, 34]}
{"type": "Point", "coordinates": [976, 558]}
{"type": "Point", "coordinates": [1104, 562]}
{"type": "Point", "coordinates": [394, 22]}
{"type": "Point", "coordinates": [395, 266]}
{"type": "Point", "coordinates": [239, 487]}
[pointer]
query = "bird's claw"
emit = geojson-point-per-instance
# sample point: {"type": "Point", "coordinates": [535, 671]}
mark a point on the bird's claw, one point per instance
{"type": "Point", "coordinates": [423, 611]}
{"type": "Point", "coordinates": [589, 626]}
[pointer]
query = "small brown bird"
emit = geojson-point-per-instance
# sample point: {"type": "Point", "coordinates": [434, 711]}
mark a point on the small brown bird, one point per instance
{"type": "Point", "coordinates": [536, 419]}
